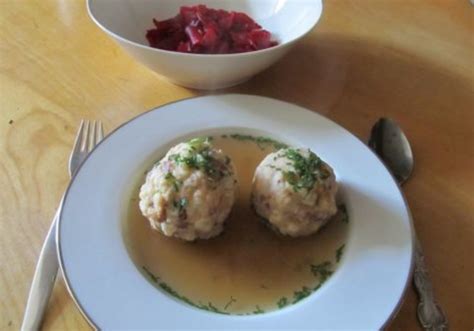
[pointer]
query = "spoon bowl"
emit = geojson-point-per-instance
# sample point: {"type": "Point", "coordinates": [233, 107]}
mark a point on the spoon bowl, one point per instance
{"type": "Point", "coordinates": [390, 143]}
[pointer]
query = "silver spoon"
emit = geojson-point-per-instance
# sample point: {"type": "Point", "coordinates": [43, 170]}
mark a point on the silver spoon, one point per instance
{"type": "Point", "coordinates": [389, 142]}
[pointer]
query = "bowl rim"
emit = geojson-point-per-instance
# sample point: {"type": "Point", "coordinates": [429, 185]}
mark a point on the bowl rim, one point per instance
{"type": "Point", "coordinates": [198, 55]}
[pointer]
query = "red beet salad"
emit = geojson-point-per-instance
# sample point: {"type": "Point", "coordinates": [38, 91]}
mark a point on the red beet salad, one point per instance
{"type": "Point", "coordinates": [203, 30]}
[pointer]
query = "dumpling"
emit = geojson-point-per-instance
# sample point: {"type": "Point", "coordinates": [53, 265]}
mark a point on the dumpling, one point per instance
{"type": "Point", "coordinates": [295, 191]}
{"type": "Point", "coordinates": [190, 192]}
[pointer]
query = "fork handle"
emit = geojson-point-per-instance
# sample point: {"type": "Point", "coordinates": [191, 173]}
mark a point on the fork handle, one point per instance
{"type": "Point", "coordinates": [43, 281]}
{"type": "Point", "coordinates": [429, 313]}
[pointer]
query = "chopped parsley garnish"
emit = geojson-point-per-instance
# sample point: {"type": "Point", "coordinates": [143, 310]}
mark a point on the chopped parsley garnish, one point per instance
{"type": "Point", "coordinates": [301, 294]}
{"type": "Point", "coordinates": [232, 300]}
{"type": "Point", "coordinates": [209, 307]}
{"type": "Point", "coordinates": [168, 289]}
{"type": "Point", "coordinates": [307, 170]}
{"type": "Point", "coordinates": [322, 270]}
{"type": "Point", "coordinates": [345, 215]}
{"type": "Point", "coordinates": [339, 253]}
{"type": "Point", "coordinates": [154, 278]}
{"type": "Point", "coordinates": [199, 143]}
{"type": "Point", "coordinates": [262, 142]}
{"type": "Point", "coordinates": [258, 310]}
{"type": "Point", "coordinates": [181, 204]}
{"type": "Point", "coordinates": [282, 302]}
{"type": "Point", "coordinates": [172, 179]}
{"type": "Point", "coordinates": [200, 156]}
{"type": "Point", "coordinates": [214, 308]}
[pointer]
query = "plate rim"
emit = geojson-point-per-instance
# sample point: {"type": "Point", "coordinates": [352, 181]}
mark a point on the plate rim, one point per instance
{"type": "Point", "coordinates": [60, 256]}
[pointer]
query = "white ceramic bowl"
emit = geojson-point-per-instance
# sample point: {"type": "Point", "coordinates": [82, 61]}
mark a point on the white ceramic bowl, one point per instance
{"type": "Point", "coordinates": [127, 21]}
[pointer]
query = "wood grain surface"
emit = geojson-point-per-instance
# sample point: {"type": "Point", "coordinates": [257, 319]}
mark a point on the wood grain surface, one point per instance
{"type": "Point", "coordinates": [406, 59]}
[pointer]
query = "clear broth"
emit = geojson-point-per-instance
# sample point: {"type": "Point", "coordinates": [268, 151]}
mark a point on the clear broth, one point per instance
{"type": "Point", "coordinates": [248, 269]}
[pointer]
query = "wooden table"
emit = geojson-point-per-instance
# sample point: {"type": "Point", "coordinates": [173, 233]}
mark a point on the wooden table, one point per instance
{"type": "Point", "coordinates": [406, 59]}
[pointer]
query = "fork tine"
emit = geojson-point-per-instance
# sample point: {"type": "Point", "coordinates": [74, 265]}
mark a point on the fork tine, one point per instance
{"type": "Point", "coordinates": [79, 144]}
{"type": "Point", "coordinates": [79, 138]}
{"type": "Point", "coordinates": [85, 136]}
{"type": "Point", "coordinates": [99, 132]}
{"type": "Point", "coordinates": [91, 137]}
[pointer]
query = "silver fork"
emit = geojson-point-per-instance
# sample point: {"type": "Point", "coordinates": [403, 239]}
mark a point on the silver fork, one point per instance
{"type": "Point", "coordinates": [88, 136]}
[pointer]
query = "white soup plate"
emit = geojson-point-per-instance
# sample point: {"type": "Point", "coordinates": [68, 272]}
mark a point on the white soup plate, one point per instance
{"type": "Point", "coordinates": [365, 291]}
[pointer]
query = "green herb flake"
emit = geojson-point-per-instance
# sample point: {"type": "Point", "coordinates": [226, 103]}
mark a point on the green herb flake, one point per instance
{"type": "Point", "coordinates": [282, 302]}
{"type": "Point", "coordinates": [213, 308]}
{"type": "Point", "coordinates": [322, 271]}
{"type": "Point", "coordinates": [231, 301]}
{"type": "Point", "coordinates": [199, 142]}
{"type": "Point", "coordinates": [182, 203]}
{"type": "Point", "coordinates": [154, 278]}
{"type": "Point", "coordinates": [307, 170]}
{"type": "Point", "coordinates": [210, 307]}
{"type": "Point", "coordinates": [165, 287]}
{"type": "Point", "coordinates": [258, 310]}
{"type": "Point", "coordinates": [202, 306]}
{"type": "Point", "coordinates": [344, 214]}
{"type": "Point", "coordinates": [200, 157]}
{"type": "Point", "coordinates": [168, 289]}
{"type": "Point", "coordinates": [301, 294]}
{"type": "Point", "coordinates": [276, 168]}
{"type": "Point", "coordinates": [262, 142]}
{"type": "Point", "coordinates": [339, 253]}
{"type": "Point", "coordinates": [317, 287]}
{"type": "Point", "coordinates": [173, 181]}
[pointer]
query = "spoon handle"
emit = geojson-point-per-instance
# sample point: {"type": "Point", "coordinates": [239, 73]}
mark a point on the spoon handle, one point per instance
{"type": "Point", "coordinates": [429, 313]}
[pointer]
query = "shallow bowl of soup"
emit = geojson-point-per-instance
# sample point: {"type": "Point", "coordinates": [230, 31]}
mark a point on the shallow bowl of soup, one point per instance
{"type": "Point", "coordinates": [122, 273]}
